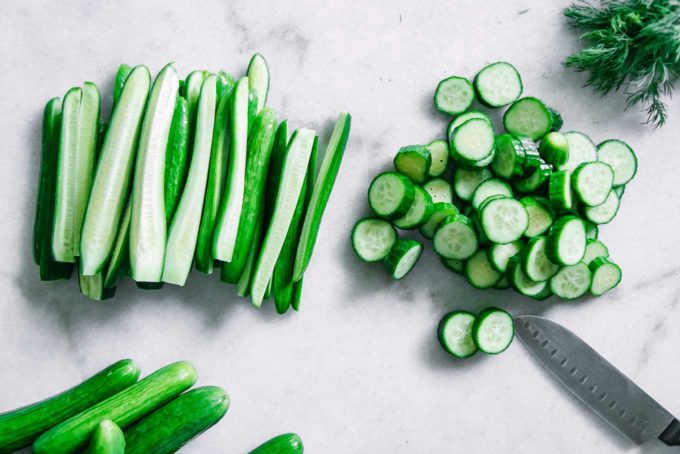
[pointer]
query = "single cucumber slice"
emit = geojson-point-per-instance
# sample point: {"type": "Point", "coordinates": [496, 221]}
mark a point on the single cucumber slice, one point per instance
{"type": "Point", "coordinates": [559, 190]}
{"type": "Point", "coordinates": [554, 148]}
{"type": "Point", "coordinates": [439, 190]}
{"type": "Point", "coordinates": [123, 408]}
{"type": "Point", "coordinates": [121, 76]}
{"type": "Point", "coordinates": [592, 182]}
{"type": "Point", "coordinates": [181, 244]}
{"type": "Point", "coordinates": [500, 254]}
{"type": "Point", "coordinates": [112, 180]}
{"type": "Point", "coordinates": [567, 241]}
{"type": "Point", "coordinates": [402, 257]}
{"type": "Point", "coordinates": [455, 238]}
{"type": "Point", "coordinates": [493, 331]}
{"type": "Point", "coordinates": [460, 119]}
{"type": "Point", "coordinates": [571, 282]}
{"type": "Point", "coordinates": [489, 188]}
{"type": "Point", "coordinates": [537, 176]}
{"type": "Point", "coordinates": [192, 91]}
{"type": "Point", "coordinates": [480, 164]}
{"type": "Point", "coordinates": [466, 181]}
{"type": "Point", "coordinates": [498, 84]}
{"type": "Point", "coordinates": [414, 161]}
{"type": "Point", "coordinates": [528, 117]}
{"type": "Point", "coordinates": [536, 264]}
{"type": "Point", "coordinates": [107, 439]}
{"type": "Point", "coordinates": [455, 265]}
{"type": "Point", "coordinates": [454, 95]}
{"type": "Point", "coordinates": [391, 194]}
{"type": "Point", "coordinates": [504, 220]}
{"type": "Point", "coordinates": [540, 215]}
{"type": "Point", "coordinates": [455, 334]}
{"type": "Point", "coordinates": [439, 212]}
{"type": "Point", "coordinates": [172, 426]}
{"type": "Point", "coordinates": [581, 149]}
{"type": "Point", "coordinates": [620, 157]}
{"type": "Point", "coordinates": [605, 275]}
{"type": "Point", "coordinates": [226, 227]}
{"type": "Point", "coordinates": [603, 214]}
{"type": "Point", "coordinates": [282, 444]}
{"type": "Point", "coordinates": [176, 158]}
{"type": "Point", "coordinates": [479, 271]}
{"type": "Point", "coordinates": [532, 157]}
{"type": "Point", "coordinates": [594, 249]}
{"type": "Point", "coordinates": [148, 225]}
{"type": "Point", "coordinates": [419, 213]}
{"type": "Point", "coordinates": [520, 282]}
{"type": "Point", "coordinates": [473, 140]}
{"type": "Point", "coordinates": [372, 239]}
{"type": "Point", "coordinates": [509, 158]}
{"type": "Point", "coordinates": [19, 428]}
{"type": "Point", "coordinates": [258, 79]}
{"type": "Point", "coordinates": [439, 152]}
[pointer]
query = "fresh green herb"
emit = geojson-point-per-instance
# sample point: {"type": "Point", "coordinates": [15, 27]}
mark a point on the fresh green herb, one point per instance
{"type": "Point", "coordinates": [633, 46]}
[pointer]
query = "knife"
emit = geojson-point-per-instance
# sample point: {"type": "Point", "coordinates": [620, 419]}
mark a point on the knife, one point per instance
{"type": "Point", "coordinates": [597, 383]}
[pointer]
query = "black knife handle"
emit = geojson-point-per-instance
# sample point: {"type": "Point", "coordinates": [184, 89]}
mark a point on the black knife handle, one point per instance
{"type": "Point", "coordinates": [671, 436]}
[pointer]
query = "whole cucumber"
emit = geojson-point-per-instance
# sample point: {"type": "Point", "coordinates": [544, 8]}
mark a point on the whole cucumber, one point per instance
{"type": "Point", "coordinates": [107, 439]}
{"type": "Point", "coordinates": [169, 428]}
{"type": "Point", "coordinates": [283, 444]}
{"type": "Point", "coordinates": [20, 427]}
{"type": "Point", "coordinates": [124, 408]}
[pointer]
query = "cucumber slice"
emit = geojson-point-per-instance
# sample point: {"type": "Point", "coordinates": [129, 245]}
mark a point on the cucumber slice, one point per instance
{"type": "Point", "coordinates": [594, 249]}
{"type": "Point", "coordinates": [535, 262]}
{"type": "Point", "coordinates": [466, 181]}
{"type": "Point", "coordinates": [479, 272]}
{"type": "Point", "coordinates": [554, 148]}
{"type": "Point", "coordinates": [414, 161]}
{"type": "Point", "coordinates": [559, 190]}
{"type": "Point", "coordinates": [592, 182]}
{"type": "Point", "coordinates": [123, 408]}
{"type": "Point", "coordinates": [537, 177]}
{"type": "Point", "coordinates": [439, 190]}
{"type": "Point", "coordinates": [581, 149]}
{"type": "Point", "coordinates": [528, 117]}
{"type": "Point", "coordinates": [557, 119]}
{"type": "Point", "coordinates": [520, 282]}
{"type": "Point", "coordinates": [480, 164]}
{"type": "Point", "coordinates": [243, 285]}
{"type": "Point", "coordinates": [439, 212]}
{"type": "Point", "coordinates": [500, 254]}
{"type": "Point", "coordinates": [455, 238]}
{"type": "Point", "coordinates": [455, 265]}
{"type": "Point", "coordinates": [419, 213]}
{"type": "Point", "coordinates": [493, 331]}
{"type": "Point", "coordinates": [373, 238]}
{"type": "Point", "coordinates": [391, 194]}
{"type": "Point", "coordinates": [121, 76]}
{"type": "Point", "coordinates": [605, 275]}
{"type": "Point", "coordinates": [454, 95]}
{"type": "Point", "coordinates": [567, 241]}
{"type": "Point", "coordinates": [192, 91]}
{"type": "Point", "coordinates": [112, 180]}
{"type": "Point", "coordinates": [603, 214]}
{"type": "Point", "coordinates": [281, 444]}
{"type": "Point", "coordinates": [455, 334]}
{"type": "Point", "coordinates": [439, 152]}
{"type": "Point", "coordinates": [460, 119]}
{"type": "Point", "coordinates": [258, 80]}
{"type": "Point", "coordinates": [107, 439]}
{"type": "Point", "coordinates": [176, 158]}
{"type": "Point", "coordinates": [181, 244]}
{"type": "Point", "coordinates": [169, 428]}
{"type": "Point", "coordinates": [571, 282]}
{"type": "Point", "coordinates": [473, 140]}
{"type": "Point", "coordinates": [504, 220]}
{"type": "Point", "coordinates": [148, 224]}
{"type": "Point", "coordinates": [540, 215]}
{"type": "Point", "coordinates": [489, 188]}
{"type": "Point", "coordinates": [620, 157]}
{"type": "Point", "coordinates": [402, 257]}
{"type": "Point", "coordinates": [290, 189]}
{"type": "Point", "coordinates": [498, 84]}
{"type": "Point", "coordinates": [226, 227]}
{"type": "Point", "coordinates": [93, 287]}
{"type": "Point", "coordinates": [509, 158]}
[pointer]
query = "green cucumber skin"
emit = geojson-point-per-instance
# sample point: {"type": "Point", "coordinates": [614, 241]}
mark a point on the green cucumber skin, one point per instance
{"type": "Point", "coordinates": [119, 265]}
{"type": "Point", "coordinates": [283, 444]}
{"type": "Point", "coordinates": [321, 194]}
{"type": "Point", "coordinates": [19, 428]}
{"type": "Point", "coordinates": [172, 426]}
{"type": "Point", "coordinates": [252, 108]}
{"type": "Point", "coordinates": [107, 439]}
{"type": "Point", "coordinates": [297, 295]}
{"type": "Point", "coordinates": [124, 408]}
{"type": "Point", "coordinates": [176, 158]}
{"type": "Point", "coordinates": [260, 145]}
{"type": "Point", "coordinates": [275, 164]}
{"type": "Point", "coordinates": [121, 76]}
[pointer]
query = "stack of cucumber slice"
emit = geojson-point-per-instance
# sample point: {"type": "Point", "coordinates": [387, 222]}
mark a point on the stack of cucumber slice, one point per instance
{"type": "Point", "coordinates": [519, 208]}
{"type": "Point", "coordinates": [463, 333]}
{"type": "Point", "coordinates": [196, 171]}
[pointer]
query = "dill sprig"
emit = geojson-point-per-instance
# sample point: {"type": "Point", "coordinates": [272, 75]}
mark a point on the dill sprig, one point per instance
{"type": "Point", "coordinates": [633, 45]}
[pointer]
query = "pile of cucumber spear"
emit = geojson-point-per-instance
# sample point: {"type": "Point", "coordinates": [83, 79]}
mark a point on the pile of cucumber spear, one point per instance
{"type": "Point", "coordinates": [196, 171]}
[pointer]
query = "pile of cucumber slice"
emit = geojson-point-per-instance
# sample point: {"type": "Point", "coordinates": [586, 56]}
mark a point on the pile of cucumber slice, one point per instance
{"type": "Point", "coordinates": [462, 333]}
{"type": "Point", "coordinates": [515, 209]}
{"type": "Point", "coordinates": [195, 172]}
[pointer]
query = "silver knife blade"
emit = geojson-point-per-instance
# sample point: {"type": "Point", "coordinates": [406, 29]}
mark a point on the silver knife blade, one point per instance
{"type": "Point", "coordinates": [591, 378]}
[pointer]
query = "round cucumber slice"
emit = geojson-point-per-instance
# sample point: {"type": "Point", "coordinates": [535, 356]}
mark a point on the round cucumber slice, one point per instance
{"type": "Point", "coordinates": [479, 272]}
{"type": "Point", "coordinates": [520, 282]}
{"type": "Point", "coordinates": [473, 140]}
{"type": "Point", "coordinates": [414, 161]}
{"type": "Point", "coordinates": [455, 238]}
{"type": "Point", "coordinates": [460, 119]}
{"type": "Point", "coordinates": [439, 212]}
{"type": "Point", "coordinates": [509, 158]}
{"type": "Point", "coordinates": [536, 264]}
{"type": "Point", "coordinates": [455, 334]}
{"type": "Point", "coordinates": [391, 195]}
{"type": "Point", "coordinates": [402, 258]}
{"type": "Point", "coordinates": [592, 182]}
{"type": "Point", "coordinates": [419, 212]}
{"type": "Point", "coordinates": [466, 181]}
{"type": "Point", "coordinates": [528, 117]}
{"type": "Point", "coordinates": [581, 149]}
{"type": "Point", "coordinates": [504, 220]}
{"type": "Point", "coordinates": [500, 254]}
{"type": "Point", "coordinates": [498, 84]}
{"type": "Point", "coordinates": [594, 249]}
{"type": "Point", "coordinates": [439, 190]}
{"type": "Point", "coordinates": [567, 241]}
{"type": "Point", "coordinates": [603, 214]}
{"type": "Point", "coordinates": [540, 215]}
{"type": "Point", "coordinates": [489, 188]}
{"type": "Point", "coordinates": [606, 275]}
{"type": "Point", "coordinates": [454, 95]}
{"type": "Point", "coordinates": [493, 331]}
{"type": "Point", "coordinates": [373, 238]}
{"type": "Point", "coordinates": [571, 282]}
{"type": "Point", "coordinates": [439, 151]}
{"type": "Point", "coordinates": [620, 157]}
{"type": "Point", "coordinates": [554, 148]}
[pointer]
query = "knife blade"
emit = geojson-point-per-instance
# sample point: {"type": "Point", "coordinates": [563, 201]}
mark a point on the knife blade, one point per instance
{"type": "Point", "coordinates": [596, 382]}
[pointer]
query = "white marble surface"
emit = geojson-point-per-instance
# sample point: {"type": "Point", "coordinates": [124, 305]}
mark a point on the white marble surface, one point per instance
{"type": "Point", "coordinates": [359, 368]}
